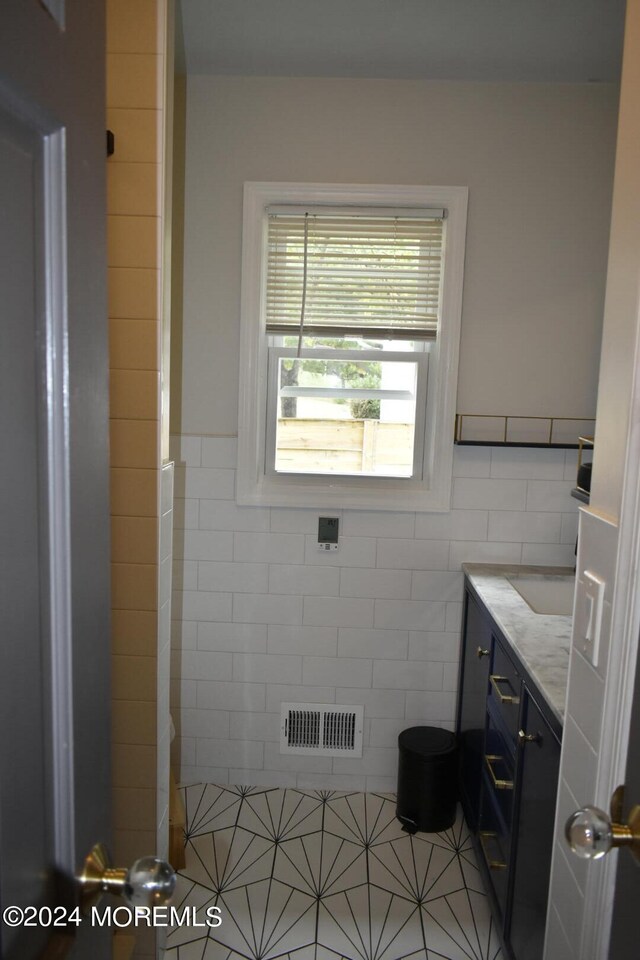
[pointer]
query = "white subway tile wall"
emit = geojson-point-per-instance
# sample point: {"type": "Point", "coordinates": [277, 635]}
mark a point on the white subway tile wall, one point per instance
{"type": "Point", "coordinates": [261, 616]}
{"type": "Point", "coordinates": [582, 743]}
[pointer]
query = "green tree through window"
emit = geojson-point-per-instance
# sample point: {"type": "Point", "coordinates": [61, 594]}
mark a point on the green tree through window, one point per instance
{"type": "Point", "coordinates": [350, 374]}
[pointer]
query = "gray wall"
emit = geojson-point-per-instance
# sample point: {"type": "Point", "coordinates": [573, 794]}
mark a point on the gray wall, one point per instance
{"type": "Point", "coordinates": [538, 160]}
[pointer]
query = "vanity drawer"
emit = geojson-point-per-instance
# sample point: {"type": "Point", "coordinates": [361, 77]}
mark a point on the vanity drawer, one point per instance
{"type": "Point", "coordinates": [504, 690]}
{"type": "Point", "coordinates": [495, 841]}
{"type": "Point", "coordinates": [499, 770]}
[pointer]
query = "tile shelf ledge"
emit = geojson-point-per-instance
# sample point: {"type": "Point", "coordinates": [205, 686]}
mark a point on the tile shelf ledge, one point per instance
{"type": "Point", "coordinates": [515, 443]}
{"type": "Point", "coordinates": [510, 430]}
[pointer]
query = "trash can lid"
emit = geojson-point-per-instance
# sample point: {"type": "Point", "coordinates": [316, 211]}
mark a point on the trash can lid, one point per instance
{"type": "Point", "coordinates": [427, 741]}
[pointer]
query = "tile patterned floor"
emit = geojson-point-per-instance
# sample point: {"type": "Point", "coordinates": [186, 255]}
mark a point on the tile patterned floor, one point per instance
{"type": "Point", "coordinates": [325, 875]}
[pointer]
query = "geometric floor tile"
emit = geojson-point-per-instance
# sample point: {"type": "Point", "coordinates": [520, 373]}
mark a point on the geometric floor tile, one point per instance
{"type": "Point", "coordinates": [264, 919]}
{"type": "Point", "coordinates": [325, 875]}
{"type": "Point", "coordinates": [229, 858]}
{"type": "Point", "coordinates": [369, 922]}
{"type": "Point", "coordinates": [210, 808]}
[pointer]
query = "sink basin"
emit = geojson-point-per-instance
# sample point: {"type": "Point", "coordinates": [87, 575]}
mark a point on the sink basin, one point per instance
{"type": "Point", "coordinates": [549, 595]}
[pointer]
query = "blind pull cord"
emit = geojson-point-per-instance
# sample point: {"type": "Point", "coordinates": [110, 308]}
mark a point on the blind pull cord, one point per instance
{"type": "Point", "coordinates": [304, 283]}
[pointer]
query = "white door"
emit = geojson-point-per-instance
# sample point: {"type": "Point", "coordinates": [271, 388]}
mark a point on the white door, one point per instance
{"type": "Point", "coordinates": [54, 544]}
{"type": "Point", "coordinates": [624, 929]}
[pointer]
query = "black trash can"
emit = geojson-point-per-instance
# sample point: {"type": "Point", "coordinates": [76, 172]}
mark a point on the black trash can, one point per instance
{"type": "Point", "coordinates": [427, 779]}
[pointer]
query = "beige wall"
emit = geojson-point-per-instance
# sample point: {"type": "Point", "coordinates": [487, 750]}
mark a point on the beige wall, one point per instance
{"type": "Point", "coordinates": [617, 371]}
{"type": "Point", "coordinates": [538, 160]}
{"type": "Point", "coordinates": [140, 490]}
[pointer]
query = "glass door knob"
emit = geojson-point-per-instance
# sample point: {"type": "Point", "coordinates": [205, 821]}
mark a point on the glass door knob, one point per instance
{"type": "Point", "coordinates": [148, 882]}
{"type": "Point", "coordinates": [591, 833]}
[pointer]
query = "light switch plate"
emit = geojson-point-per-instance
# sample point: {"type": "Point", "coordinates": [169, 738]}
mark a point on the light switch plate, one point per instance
{"type": "Point", "coordinates": [593, 600]}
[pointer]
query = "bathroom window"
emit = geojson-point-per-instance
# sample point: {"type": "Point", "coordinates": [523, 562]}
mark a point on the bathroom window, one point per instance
{"type": "Point", "coordinates": [351, 304]}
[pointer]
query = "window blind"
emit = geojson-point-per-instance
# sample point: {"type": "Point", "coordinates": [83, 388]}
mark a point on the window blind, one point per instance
{"type": "Point", "coordinates": [367, 275]}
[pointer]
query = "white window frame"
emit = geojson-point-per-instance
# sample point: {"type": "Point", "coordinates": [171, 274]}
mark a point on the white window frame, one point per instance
{"type": "Point", "coordinates": [257, 485]}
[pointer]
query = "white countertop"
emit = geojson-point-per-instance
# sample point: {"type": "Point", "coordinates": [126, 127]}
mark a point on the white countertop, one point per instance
{"type": "Point", "coordinates": [541, 641]}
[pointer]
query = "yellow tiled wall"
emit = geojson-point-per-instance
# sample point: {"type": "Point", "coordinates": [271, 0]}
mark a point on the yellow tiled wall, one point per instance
{"type": "Point", "coordinates": [136, 70]}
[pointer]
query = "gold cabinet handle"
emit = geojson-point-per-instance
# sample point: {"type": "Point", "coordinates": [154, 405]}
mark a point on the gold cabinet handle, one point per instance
{"type": "Point", "coordinates": [524, 738]}
{"type": "Point", "coordinates": [490, 759]}
{"type": "Point", "coordinates": [481, 652]}
{"type": "Point", "coordinates": [485, 836]}
{"type": "Point", "coordinates": [502, 697]}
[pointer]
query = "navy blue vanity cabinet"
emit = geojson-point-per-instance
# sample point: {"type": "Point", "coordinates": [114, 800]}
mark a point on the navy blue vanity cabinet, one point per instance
{"type": "Point", "coordinates": [472, 706]}
{"type": "Point", "coordinates": [497, 795]}
{"type": "Point", "coordinates": [538, 771]}
{"type": "Point", "coordinates": [505, 683]}
{"type": "Point", "coordinates": [510, 755]}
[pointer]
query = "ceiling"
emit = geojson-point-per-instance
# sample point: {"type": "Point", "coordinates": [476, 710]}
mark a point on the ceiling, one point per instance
{"type": "Point", "coordinates": [513, 40]}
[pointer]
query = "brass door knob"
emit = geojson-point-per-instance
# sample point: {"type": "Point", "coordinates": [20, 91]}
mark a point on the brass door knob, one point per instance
{"type": "Point", "coordinates": [148, 882]}
{"type": "Point", "coordinates": [591, 833]}
{"type": "Point", "coordinates": [481, 652]}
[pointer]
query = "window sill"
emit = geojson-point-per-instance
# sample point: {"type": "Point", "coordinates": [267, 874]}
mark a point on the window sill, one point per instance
{"type": "Point", "coordinates": [345, 493]}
